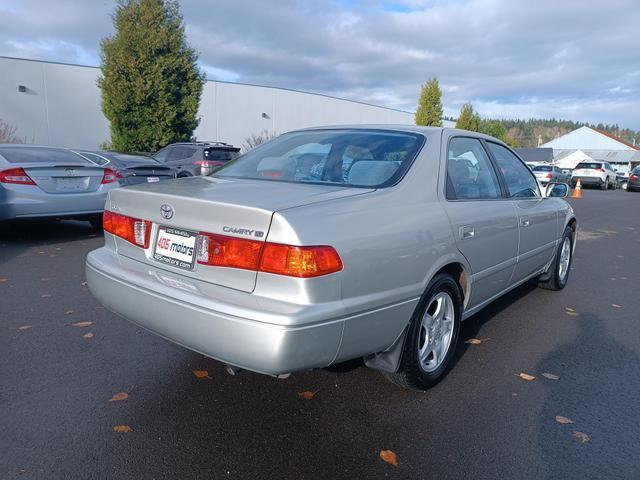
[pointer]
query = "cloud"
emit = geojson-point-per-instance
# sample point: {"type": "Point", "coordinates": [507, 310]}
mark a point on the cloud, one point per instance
{"type": "Point", "coordinates": [570, 59]}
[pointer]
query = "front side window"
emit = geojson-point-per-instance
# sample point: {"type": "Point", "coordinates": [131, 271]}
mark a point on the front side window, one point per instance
{"type": "Point", "coordinates": [470, 174]}
{"type": "Point", "coordinates": [518, 178]}
{"type": "Point", "coordinates": [357, 158]}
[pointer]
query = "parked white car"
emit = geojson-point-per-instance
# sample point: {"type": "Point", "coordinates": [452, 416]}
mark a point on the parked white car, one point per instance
{"type": "Point", "coordinates": [599, 174]}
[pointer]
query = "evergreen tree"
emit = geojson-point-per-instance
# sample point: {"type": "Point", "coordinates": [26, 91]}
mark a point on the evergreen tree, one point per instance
{"type": "Point", "coordinates": [468, 119]}
{"type": "Point", "coordinates": [429, 110]}
{"type": "Point", "coordinates": [150, 81]}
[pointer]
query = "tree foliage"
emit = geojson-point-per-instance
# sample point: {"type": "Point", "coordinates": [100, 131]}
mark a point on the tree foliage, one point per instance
{"type": "Point", "coordinates": [429, 110]}
{"type": "Point", "coordinates": [150, 82]}
{"type": "Point", "coordinates": [468, 119]}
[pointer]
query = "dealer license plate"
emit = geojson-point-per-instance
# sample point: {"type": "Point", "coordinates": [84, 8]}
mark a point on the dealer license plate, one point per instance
{"type": "Point", "coordinates": [176, 247]}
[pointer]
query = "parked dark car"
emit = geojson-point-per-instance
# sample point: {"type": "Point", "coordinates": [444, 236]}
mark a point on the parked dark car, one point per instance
{"type": "Point", "coordinates": [633, 185]}
{"type": "Point", "coordinates": [130, 169]}
{"type": "Point", "coordinates": [196, 158]}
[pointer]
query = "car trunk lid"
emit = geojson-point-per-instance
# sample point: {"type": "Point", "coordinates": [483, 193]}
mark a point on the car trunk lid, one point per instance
{"type": "Point", "coordinates": [59, 179]}
{"type": "Point", "coordinates": [237, 208]}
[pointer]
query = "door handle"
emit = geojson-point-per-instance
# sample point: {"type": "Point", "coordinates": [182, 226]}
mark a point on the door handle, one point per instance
{"type": "Point", "coordinates": [524, 221]}
{"type": "Point", "coordinates": [467, 231]}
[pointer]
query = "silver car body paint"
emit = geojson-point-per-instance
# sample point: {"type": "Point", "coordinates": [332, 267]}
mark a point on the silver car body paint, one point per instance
{"type": "Point", "coordinates": [392, 241]}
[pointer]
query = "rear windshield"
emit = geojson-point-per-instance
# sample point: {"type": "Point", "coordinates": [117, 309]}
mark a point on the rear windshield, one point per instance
{"type": "Point", "coordinates": [591, 165]}
{"type": "Point", "coordinates": [128, 158]}
{"type": "Point", "coordinates": [357, 158]}
{"type": "Point", "coordinates": [220, 155]}
{"type": "Point", "coordinates": [543, 168]}
{"type": "Point", "coordinates": [41, 155]}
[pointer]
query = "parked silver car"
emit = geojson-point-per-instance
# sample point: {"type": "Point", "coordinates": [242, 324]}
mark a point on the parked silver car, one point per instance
{"type": "Point", "coordinates": [550, 174]}
{"type": "Point", "coordinates": [51, 182]}
{"type": "Point", "coordinates": [334, 243]}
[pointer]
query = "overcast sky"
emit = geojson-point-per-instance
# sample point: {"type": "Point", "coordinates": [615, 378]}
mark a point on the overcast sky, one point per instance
{"type": "Point", "coordinates": [570, 59]}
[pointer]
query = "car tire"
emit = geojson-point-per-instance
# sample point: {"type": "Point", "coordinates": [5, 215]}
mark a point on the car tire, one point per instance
{"type": "Point", "coordinates": [605, 185]}
{"type": "Point", "coordinates": [432, 336]}
{"type": "Point", "coordinates": [561, 265]}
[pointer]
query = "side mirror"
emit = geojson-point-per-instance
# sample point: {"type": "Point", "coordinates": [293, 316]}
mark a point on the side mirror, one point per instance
{"type": "Point", "coordinates": [557, 190]}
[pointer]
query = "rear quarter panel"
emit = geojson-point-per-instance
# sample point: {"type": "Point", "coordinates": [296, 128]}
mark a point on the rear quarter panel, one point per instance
{"type": "Point", "coordinates": [391, 242]}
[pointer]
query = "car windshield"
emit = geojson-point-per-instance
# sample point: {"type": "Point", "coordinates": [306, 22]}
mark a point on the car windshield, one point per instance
{"type": "Point", "coordinates": [358, 158]}
{"type": "Point", "coordinates": [41, 155]}
{"type": "Point", "coordinates": [543, 168]}
{"type": "Point", "coordinates": [590, 165]}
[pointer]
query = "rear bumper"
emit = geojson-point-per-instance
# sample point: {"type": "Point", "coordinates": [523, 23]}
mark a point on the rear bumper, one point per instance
{"type": "Point", "coordinates": [28, 201]}
{"type": "Point", "coordinates": [587, 181]}
{"type": "Point", "coordinates": [215, 322]}
{"type": "Point", "coordinates": [633, 186]}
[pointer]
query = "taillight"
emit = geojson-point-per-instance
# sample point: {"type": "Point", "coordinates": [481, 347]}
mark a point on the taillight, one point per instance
{"type": "Point", "coordinates": [289, 260]}
{"type": "Point", "coordinates": [16, 175]}
{"type": "Point", "coordinates": [548, 175]}
{"type": "Point", "coordinates": [299, 261]}
{"type": "Point", "coordinates": [633, 177]}
{"type": "Point", "coordinates": [110, 176]}
{"type": "Point", "coordinates": [133, 230]}
{"type": "Point", "coordinates": [601, 169]}
{"type": "Point", "coordinates": [223, 251]}
{"type": "Point", "coordinates": [208, 163]}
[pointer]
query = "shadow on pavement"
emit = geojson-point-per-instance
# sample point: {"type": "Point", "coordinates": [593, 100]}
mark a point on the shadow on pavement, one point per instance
{"type": "Point", "coordinates": [599, 389]}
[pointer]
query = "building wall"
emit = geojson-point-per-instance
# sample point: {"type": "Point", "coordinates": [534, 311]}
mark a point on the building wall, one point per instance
{"type": "Point", "coordinates": [586, 138]}
{"type": "Point", "coordinates": [61, 107]}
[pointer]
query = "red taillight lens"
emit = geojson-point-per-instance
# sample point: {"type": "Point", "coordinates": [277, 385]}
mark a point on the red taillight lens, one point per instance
{"type": "Point", "coordinates": [601, 169]}
{"type": "Point", "coordinates": [208, 163]}
{"type": "Point", "coordinates": [110, 176]}
{"type": "Point", "coordinates": [223, 251]}
{"type": "Point", "coordinates": [302, 262]}
{"type": "Point", "coordinates": [633, 177]}
{"type": "Point", "coordinates": [17, 176]}
{"type": "Point", "coordinates": [548, 175]}
{"type": "Point", "coordinates": [132, 230]}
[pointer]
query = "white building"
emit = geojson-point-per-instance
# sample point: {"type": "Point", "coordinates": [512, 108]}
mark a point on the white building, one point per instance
{"type": "Point", "coordinates": [59, 104]}
{"type": "Point", "coordinates": [586, 143]}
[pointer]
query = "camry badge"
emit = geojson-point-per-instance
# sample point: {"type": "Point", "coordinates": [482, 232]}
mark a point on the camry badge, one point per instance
{"type": "Point", "coordinates": [166, 211]}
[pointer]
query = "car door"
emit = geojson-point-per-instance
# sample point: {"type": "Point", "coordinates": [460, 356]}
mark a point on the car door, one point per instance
{"type": "Point", "coordinates": [484, 223]}
{"type": "Point", "coordinates": [537, 215]}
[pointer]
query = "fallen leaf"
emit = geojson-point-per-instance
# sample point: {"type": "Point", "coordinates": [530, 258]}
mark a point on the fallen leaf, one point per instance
{"type": "Point", "coordinates": [122, 428]}
{"type": "Point", "coordinates": [53, 255]}
{"type": "Point", "coordinates": [571, 314]}
{"type": "Point", "coordinates": [615, 305]}
{"type": "Point", "coordinates": [40, 253]}
{"type": "Point", "coordinates": [2, 280]}
{"type": "Point", "coordinates": [569, 309]}
{"type": "Point", "coordinates": [45, 295]}
{"type": "Point", "coordinates": [82, 324]}
{"type": "Point", "coordinates": [551, 376]}
{"type": "Point", "coordinates": [201, 373]}
{"type": "Point", "coordinates": [119, 397]}
{"type": "Point", "coordinates": [526, 376]}
{"type": "Point", "coordinates": [43, 279]}
{"type": "Point", "coordinates": [389, 456]}
{"type": "Point", "coordinates": [308, 394]}
{"type": "Point", "coordinates": [563, 420]}
{"type": "Point", "coordinates": [87, 335]}
{"type": "Point", "coordinates": [84, 284]}
{"type": "Point", "coordinates": [58, 248]}
{"type": "Point", "coordinates": [583, 437]}
{"type": "Point", "coordinates": [476, 341]}
{"type": "Point", "coordinates": [68, 312]}
{"type": "Point", "coordinates": [24, 327]}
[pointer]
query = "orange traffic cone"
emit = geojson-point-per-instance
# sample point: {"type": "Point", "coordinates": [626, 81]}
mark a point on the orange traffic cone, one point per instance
{"type": "Point", "coordinates": [577, 192]}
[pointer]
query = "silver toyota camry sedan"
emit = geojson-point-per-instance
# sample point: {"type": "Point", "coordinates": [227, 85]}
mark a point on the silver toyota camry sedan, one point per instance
{"type": "Point", "coordinates": [335, 243]}
{"type": "Point", "coordinates": [54, 182]}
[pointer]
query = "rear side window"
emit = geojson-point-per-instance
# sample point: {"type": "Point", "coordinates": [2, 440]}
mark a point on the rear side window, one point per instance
{"type": "Point", "coordinates": [180, 153]}
{"type": "Point", "coordinates": [220, 155]}
{"type": "Point", "coordinates": [589, 165]}
{"type": "Point", "coordinates": [97, 159]}
{"type": "Point", "coordinates": [41, 155]}
{"type": "Point", "coordinates": [470, 174]}
{"type": "Point", "coordinates": [358, 158]}
{"type": "Point", "coordinates": [518, 178]}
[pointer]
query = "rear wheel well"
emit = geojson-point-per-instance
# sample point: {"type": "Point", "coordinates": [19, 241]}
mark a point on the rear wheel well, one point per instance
{"type": "Point", "coordinates": [460, 275]}
{"type": "Point", "coordinates": [573, 225]}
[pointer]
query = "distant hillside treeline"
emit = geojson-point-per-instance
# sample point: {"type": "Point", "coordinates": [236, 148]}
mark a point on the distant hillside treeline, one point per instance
{"type": "Point", "coordinates": [527, 133]}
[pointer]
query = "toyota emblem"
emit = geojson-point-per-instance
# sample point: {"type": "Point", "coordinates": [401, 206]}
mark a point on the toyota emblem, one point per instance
{"type": "Point", "coordinates": [166, 211]}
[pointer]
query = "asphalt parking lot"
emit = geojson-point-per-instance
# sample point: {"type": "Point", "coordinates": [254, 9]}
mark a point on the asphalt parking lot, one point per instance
{"type": "Point", "coordinates": [482, 421]}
